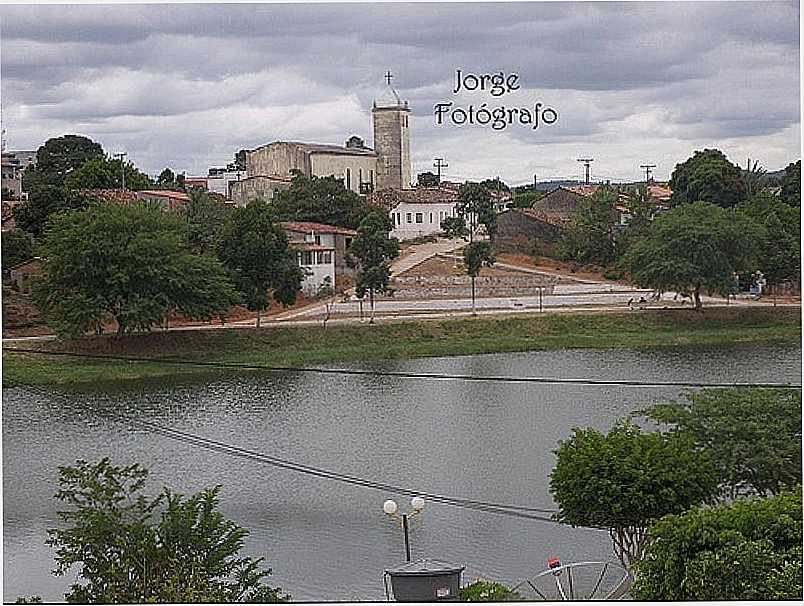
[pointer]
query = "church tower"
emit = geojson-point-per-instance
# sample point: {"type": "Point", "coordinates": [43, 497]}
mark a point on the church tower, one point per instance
{"type": "Point", "coordinates": [391, 139]}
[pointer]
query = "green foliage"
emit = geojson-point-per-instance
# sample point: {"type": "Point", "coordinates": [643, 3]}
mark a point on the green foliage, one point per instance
{"type": "Point", "coordinates": [778, 227]}
{"type": "Point", "coordinates": [102, 172]}
{"type": "Point", "coordinates": [17, 246]}
{"type": "Point", "coordinates": [255, 249]}
{"type": "Point", "coordinates": [474, 205]}
{"type": "Point", "coordinates": [494, 185]}
{"type": "Point", "coordinates": [167, 179]}
{"type": "Point", "coordinates": [58, 158]}
{"type": "Point", "coordinates": [590, 237]}
{"type": "Point", "coordinates": [34, 599]}
{"type": "Point", "coordinates": [454, 227]}
{"type": "Point", "coordinates": [746, 550]}
{"type": "Point", "coordinates": [526, 198]}
{"type": "Point", "coordinates": [642, 211]}
{"type": "Point", "coordinates": [791, 184]}
{"type": "Point", "coordinates": [427, 179]}
{"type": "Point", "coordinates": [206, 217]}
{"type": "Point", "coordinates": [476, 256]}
{"type": "Point", "coordinates": [321, 200]}
{"type": "Point", "coordinates": [7, 194]}
{"type": "Point", "coordinates": [132, 548]}
{"type": "Point", "coordinates": [487, 591]}
{"type": "Point", "coordinates": [43, 202]}
{"type": "Point", "coordinates": [127, 262]}
{"type": "Point", "coordinates": [624, 480]}
{"type": "Point", "coordinates": [708, 176]}
{"type": "Point", "coordinates": [692, 248]}
{"type": "Point", "coordinates": [752, 435]}
{"type": "Point", "coordinates": [371, 252]}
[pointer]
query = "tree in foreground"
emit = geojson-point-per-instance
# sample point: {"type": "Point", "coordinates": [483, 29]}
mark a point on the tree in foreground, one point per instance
{"type": "Point", "coordinates": [752, 435]}
{"type": "Point", "coordinates": [255, 249]}
{"type": "Point", "coordinates": [708, 176]}
{"type": "Point", "coordinates": [371, 252]}
{"type": "Point", "coordinates": [130, 263]}
{"type": "Point", "coordinates": [791, 184]}
{"type": "Point", "coordinates": [745, 550]}
{"type": "Point", "coordinates": [130, 547]}
{"type": "Point", "coordinates": [475, 206]}
{"type": "Point", "coordinates": [206, 218]}
{"type": "Point", "coordinates": [476, 256]}
{"type": "Point", "coordinates": [694, 248]}
{"type": "Point", "coordinates": [625, 480]}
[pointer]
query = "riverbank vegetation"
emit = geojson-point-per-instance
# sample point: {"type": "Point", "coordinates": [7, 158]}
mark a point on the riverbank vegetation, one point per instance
{"type": "Point", "coordinates": [316, 345]}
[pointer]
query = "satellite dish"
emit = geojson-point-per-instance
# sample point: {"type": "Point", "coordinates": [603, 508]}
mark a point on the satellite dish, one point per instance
{"type": "Point", "coordinates": [577, 581]}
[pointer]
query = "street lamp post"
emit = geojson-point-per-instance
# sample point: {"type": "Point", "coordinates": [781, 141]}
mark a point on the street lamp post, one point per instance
{"type": "Point", "coordinates": [391, 508]}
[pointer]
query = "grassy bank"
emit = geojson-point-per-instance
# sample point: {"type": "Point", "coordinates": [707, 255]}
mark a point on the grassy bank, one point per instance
{"type": "Point", "coordinates": [311, 345]}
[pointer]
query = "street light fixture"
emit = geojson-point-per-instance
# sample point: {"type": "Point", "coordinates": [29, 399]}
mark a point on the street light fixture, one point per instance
{"type": "Point", "coordinates": [391, 508]}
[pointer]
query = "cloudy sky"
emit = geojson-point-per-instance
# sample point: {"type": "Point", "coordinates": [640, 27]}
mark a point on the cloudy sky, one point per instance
{"type": "Point", "coordinates": [186, 86]}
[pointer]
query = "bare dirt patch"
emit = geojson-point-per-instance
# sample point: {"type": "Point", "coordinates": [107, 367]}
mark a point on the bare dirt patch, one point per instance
{"type": "Point", "coordinates": [441, 266]}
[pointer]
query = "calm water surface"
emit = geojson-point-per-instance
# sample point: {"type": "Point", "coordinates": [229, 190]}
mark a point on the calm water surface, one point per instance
{"type": "Point", "coordinates": [325, 540]}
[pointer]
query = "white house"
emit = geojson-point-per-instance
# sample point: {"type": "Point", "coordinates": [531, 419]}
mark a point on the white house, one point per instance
{"type": "Point", "coordinates": [321, 251]}
{"type": "Point", "coordinates": [418, 212]}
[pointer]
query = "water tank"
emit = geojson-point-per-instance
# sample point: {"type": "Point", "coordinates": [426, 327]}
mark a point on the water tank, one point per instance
{"type": "Point", "coordinates": [425, 580]}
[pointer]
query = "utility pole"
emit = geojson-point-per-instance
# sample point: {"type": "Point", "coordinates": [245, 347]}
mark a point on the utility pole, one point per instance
{"type": "Point", "coordinates": [439, 164]}
{"type": "Point", "coordinates": [647, 168]}
{"type": "Point", "coordinates": [122, 155]}
{"type": "Point", "coordinates": [587, 162]}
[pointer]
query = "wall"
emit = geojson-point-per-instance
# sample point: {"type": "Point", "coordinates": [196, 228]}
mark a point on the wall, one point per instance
{"type": "Point", "coordinates": [315, 276]}
{"type": "Point", "coordinates": [325, 165]}
{"type": "Point", "coordinates": [256, 188]}
{"type": "Point", "coordinates": [277, 159]}
{"type": "Point", "coordinates": [407, 231]}
{"type": "Point", "coordinates": [517, 232]}
{"type": "Point", "coordinates": [460, 287]}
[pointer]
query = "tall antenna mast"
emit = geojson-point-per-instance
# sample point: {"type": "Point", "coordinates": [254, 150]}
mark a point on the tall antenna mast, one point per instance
{"type": "Point", "coordinates": [647, 168]}
{"type": "Point", "coordinates": [439, 164]}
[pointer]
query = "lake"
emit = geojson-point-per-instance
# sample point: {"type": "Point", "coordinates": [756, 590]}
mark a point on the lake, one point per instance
{"type": "Point", "coordinates": [325, 540]}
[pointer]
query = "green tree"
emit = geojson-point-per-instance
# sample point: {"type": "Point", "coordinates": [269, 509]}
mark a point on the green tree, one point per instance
{"type": "Point", "coordinates": [255, 249]}
{"type": "Point", "coordinates": [791, 184]}
{"type": "Point", "coordinates": [321, 200]}
{"type": "Point", "coordinates": [371, 252]}
{"type": "Point", "coordinates": [45, 201]}
{"type": "Point", "coordinates": [626, 479]}
{"type": "Point", "coordinates": [476, 256]}
{"type": "Point", "coordinates": [495, 184]}
{"type": "Point", "coordinates": [526, 198]}
{"type": "Point", "coordinates": [206, 217]}
{"type": "Point", "coordinates": [708, 176]}
{"type": "Point", "coordinates": [755, 178]}
{"type": "Point", "coordinates": [474, 205]}
{"type": "Point", "coordinates": [454, 227]}
{"type": "Point", "coordinates": [167, 179]}
{"type": "Point", "coordinates": [130, 263]}
{"type": "Point", "coordinates": [590, 236]}
{"type": "Point", "coordinates": [693, 248]}
{"type": "Point", "coordinates": [752, 435]}
{"type": "Point", "coordinates": [487, 591]}
{"type": "Point", "coordinates": [641, 210]}
{"type": "Point", "coordinates": [17, 246]}
{"type": "Point", "coordinates": [746, 550]}
{"type": "Point", "coordinates": [130, 547]}
{"type": "Point", "coordinates": [101, 172]}
{"type": "Point", "coordinates": [58, 158]}
{"type": "Point", "coordinates": [427, 179]}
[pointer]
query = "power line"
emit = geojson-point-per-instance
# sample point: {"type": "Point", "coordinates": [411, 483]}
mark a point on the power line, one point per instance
{"type": "Point", "coordinates": [404, 375]}
{"type": "Point", "coordinates": [239, 452]}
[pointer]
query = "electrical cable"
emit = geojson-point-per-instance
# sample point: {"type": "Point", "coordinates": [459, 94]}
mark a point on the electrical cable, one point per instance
{"type": "Point", "coordinates": [405, 375]}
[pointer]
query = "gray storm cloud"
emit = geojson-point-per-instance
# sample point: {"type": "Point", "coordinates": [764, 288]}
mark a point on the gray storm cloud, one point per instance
{"type": "Point", "coordinates": [188, 85]}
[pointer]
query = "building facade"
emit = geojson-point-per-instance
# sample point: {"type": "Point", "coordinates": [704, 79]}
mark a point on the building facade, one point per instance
{"type": "Point", "coordinates": [321, 250]}
{"type": "Point", "coordinates": [417, 212]}
{"type": "Point", "coordinates": [391, 120]}
{"type": "Point", "coordinates": [257, 188]}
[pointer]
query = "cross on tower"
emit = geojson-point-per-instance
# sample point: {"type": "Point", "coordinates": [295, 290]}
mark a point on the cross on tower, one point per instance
{"type": "Point", "coordinates": [388, 77]}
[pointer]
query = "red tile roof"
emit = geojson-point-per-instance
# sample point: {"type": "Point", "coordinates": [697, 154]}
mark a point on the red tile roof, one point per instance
{"type": "Point", "coordinates": [321, 228]}
{"type": "Point", "coordinates": [164, 193]}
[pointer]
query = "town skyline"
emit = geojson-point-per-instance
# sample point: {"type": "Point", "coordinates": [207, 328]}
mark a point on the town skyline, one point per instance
{"type": "Point", "coordinates": [187, 86]}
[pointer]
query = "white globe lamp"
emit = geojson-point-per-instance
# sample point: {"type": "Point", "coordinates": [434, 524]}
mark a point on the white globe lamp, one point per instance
{"type": "Point", "coordinates": [390, 507]}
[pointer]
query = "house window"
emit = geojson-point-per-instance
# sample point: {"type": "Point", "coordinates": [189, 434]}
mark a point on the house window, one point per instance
{"type": "Point", "coordinates": [318, 239]}
{"type": "Point", "coordinates": [399, 218]}
{"type": "Point", "coordinates": [306, 258]}
{"type": "Point", "coordinates": [419, 218]}
{"type": "Point", "coordinates": [348, 179]}
{"type": "Point", "coordinates": [325, 257]}
{"type": "Point", "coordinates": [360, 176]}
{"type": "Point", "coordinates": [431, 218]}
{"type": "Point", "coordinates": [409, 217]}
{"type": "Point", "coordinates": [371, 178]}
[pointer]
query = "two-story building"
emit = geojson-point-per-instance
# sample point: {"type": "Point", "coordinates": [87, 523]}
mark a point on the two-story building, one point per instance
{"type": "Point", "coordinates": [321, 251]}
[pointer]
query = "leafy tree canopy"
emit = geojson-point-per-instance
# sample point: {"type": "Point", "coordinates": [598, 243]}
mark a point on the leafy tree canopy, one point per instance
{"type": "Point", "coordinates": [58, 158]}
{"type": "Point", "coordinates": [495, 184]}
{"type": "Point", "coordinates": [427, 179]}
{"type": "Point", "coordinates": [474, 205]}
{"type": "Point", "coordinates": [708, 176]}
{"type": "Point", "coordinates": [626, 479]}
{"type": "Point", "coordinates": [43, 202]}
{"type": "Point", "coordinates": [167, 179]}
{"type": "Point", "coordinates": [791, 184]}
{"type": "Point", "coordinates": [255, 249]}
{"type": "Point", "coordinates": [321, 200]}
{"type": "Point", "coordinates": [130, 263]}
{"type": "Point", "coordinates": [476, 256]}
{"type": "Point", "coordinates": [102, 172]}
{"type": "Point", "coordinates": [18, 246]}
{"type": "Point", "coordinates": [746, 550]}
{"type": "Point", "coordinates": [206, 217]}
{"type": "Point", "coordinates": [590, 236]}
{"type": "Point", "coordinates": [693, 248]}
{"type": "Point", "coordinates": [130, 547]}
{"type": "Point", "coordinates": [371, 252]}
{"type": "Point", "coordinates": [778, 227]}
{"type": "Point", "coordinates": [526, 198]}
{"type": "Point", "coordinates": [454, 227]}
{"type": "Point", "coordinates": [752, 435]}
